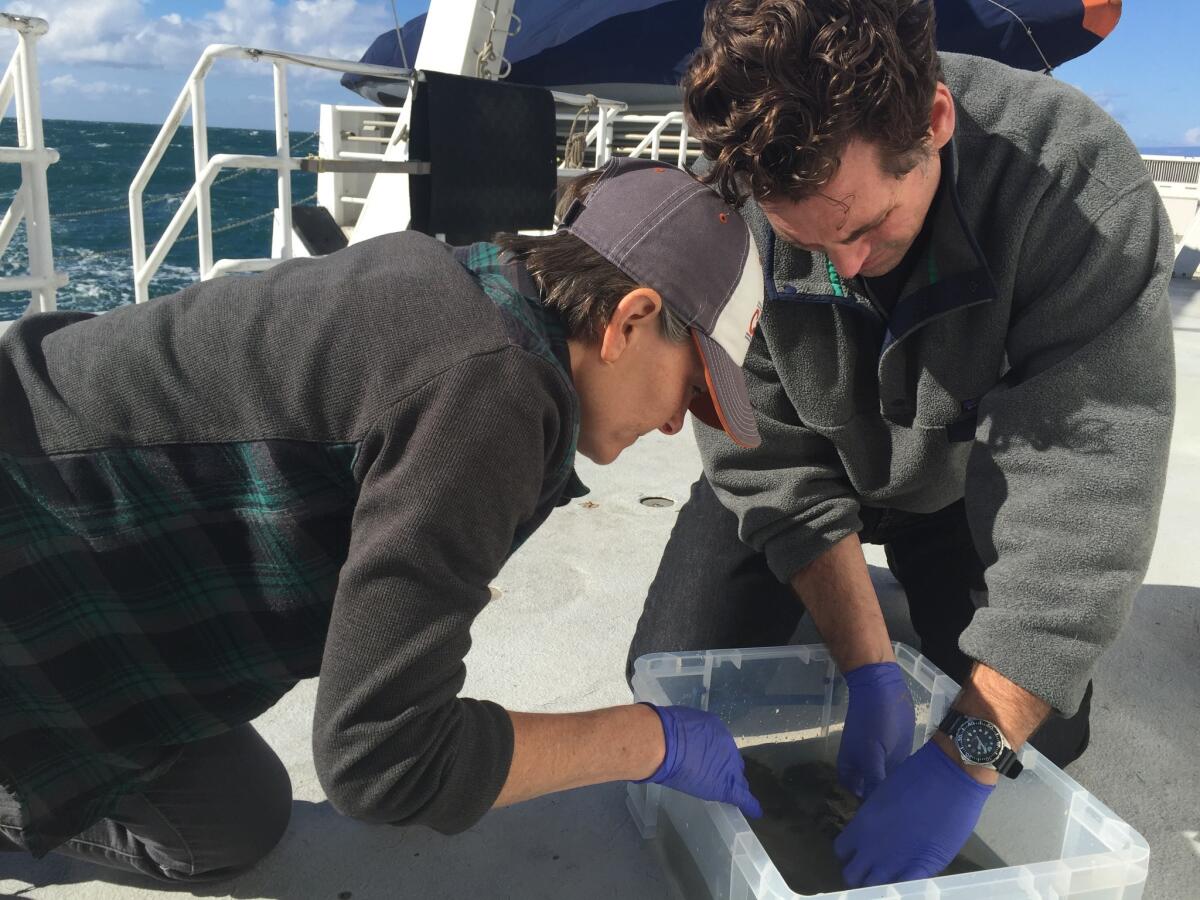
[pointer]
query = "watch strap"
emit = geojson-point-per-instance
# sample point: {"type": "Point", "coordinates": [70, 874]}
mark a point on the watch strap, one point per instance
{"type": "Point", "coordinates": [1008, 765]}
{"type": "Point", "coordinates": [951, 721]}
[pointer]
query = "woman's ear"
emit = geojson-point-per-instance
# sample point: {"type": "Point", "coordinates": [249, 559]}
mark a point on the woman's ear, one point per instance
{"type": "Point", "coordinates": [637, 309]}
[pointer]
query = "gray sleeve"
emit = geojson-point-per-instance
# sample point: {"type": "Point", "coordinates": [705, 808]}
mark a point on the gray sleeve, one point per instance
{"type": "Point", "coordinates": [1066, 476]}
{"type": "Point", "coordinates": [790, 494]}
{"type": "Point", "coordinates": [445, 481]}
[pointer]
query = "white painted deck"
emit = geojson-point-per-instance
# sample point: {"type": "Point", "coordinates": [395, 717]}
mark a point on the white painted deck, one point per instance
{"type": "Point", "coordinates": [556, 640]}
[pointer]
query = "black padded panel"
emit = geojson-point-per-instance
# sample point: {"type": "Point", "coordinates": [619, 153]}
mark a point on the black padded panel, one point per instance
{"type": "Point", "coordinates": [491, 145]}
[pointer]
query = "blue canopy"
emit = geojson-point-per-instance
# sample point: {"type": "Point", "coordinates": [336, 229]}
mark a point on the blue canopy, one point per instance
{"type": "Point", "coordinates": [649, 42]}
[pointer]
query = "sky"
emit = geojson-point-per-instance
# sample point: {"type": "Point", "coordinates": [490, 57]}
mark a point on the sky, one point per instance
{"type": "Point", "coordinates": [127, 60]}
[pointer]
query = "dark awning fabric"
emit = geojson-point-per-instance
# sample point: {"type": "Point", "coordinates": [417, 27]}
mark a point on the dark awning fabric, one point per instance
{"type": "Point", "coordinates": [650, 41]}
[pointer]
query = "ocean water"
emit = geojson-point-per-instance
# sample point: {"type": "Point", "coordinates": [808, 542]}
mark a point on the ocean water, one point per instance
{"type": "Point", "coordinates": [89, 209]}
{"type": "Point", "coordinates": [90, 215]}
{"type": "Point", "coordinates": [1193, 150]}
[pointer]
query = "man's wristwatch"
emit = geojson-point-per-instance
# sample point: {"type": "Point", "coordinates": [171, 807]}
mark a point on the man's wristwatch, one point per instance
{"type": "Point", "coordinates": [980, 743]}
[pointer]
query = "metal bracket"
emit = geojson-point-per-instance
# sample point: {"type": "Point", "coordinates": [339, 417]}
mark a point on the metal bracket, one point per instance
{"type": "Point", "coordinates": [379, 166]}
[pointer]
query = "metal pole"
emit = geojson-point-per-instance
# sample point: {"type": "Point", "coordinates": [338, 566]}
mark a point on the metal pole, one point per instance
{"type": "Point", "coordinates": [37, 216]}
{"type": "Point", "coordinates": [283, 150]}
{"type": "Point", "coordinates": [601, 136]}
{"type": "Point", "coordinates": [204, 198]}
{"type": "Point", "coordinates": [683, 141]}
{"type": "Point", "coordinates": [12, 218]}
{"type": "Point", "coordinates": [137, 222]}
{"type": "Point", "coordinates": [143, 274]}
{"type": "Point", "coordinates": [18, 63]}
{"type": "Point", "coordinates": [8, 86]}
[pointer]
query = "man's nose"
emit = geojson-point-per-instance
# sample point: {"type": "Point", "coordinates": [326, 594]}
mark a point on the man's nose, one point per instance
{"type": "Point", "coordinates": [849, 258]}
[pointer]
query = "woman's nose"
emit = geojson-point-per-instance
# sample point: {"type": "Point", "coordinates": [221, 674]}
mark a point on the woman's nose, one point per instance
{"type": "Point", "coordinates": [673, 425]}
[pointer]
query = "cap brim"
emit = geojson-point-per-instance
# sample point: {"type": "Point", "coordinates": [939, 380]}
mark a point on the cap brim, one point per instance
{"type": "Point", "coordinates": [727, 403]}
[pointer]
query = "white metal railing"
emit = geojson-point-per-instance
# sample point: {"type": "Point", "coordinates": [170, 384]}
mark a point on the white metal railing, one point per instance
{"type": "Point", "coordinates": [1178, 181]}
{"type": "Point", "coordinates": [1175, 169]}
{"type": "Point", "coordinates": [198, 198]}
{"type": "Point", "coordinates": [31, 203]}
{"type": "Point", "coordinates": [598, 138]}
{"type": "Point", "coordinates": [345, 193]}
{"type": "Point", "coordinates": [653, 141]}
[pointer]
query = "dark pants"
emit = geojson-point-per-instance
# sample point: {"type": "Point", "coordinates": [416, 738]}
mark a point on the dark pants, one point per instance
{"type": "Point", "coordinates": [713, 591]}
{"type": "Point", "coordinates": [216, 812]}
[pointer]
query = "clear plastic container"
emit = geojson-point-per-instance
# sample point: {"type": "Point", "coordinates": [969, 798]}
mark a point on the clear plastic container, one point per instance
{"type": "Point", "coordinates": [1056, 839]}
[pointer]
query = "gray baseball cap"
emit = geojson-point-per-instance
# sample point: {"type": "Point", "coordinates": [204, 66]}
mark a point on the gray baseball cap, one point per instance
{"type": "Point", "coordinates": [667, 231]}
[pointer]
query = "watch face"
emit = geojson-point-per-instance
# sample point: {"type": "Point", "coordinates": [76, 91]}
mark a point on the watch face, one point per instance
{"type": "Point", "coordinates": [979, 742]}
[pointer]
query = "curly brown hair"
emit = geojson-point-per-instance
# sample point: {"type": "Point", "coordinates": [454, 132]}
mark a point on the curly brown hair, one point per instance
{"type": "Point", "coordinates": [778, 88]}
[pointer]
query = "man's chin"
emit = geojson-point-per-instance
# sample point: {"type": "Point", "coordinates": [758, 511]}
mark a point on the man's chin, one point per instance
{"type": "Point", "coordinates": [878, 271]}
{"type": "Point", "coordinates": [884, 266]}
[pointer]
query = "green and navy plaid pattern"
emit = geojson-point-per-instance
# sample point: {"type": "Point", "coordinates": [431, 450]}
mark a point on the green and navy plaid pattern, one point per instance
{"type": "Point", "coordinates": [154, 596]}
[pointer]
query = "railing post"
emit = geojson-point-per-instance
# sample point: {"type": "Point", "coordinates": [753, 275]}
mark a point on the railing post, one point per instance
{"type": "Point", "coordinates": [19, 92]}
{"type": "Point", "coordinates": [284, 152]}
{"type": "Point", "coordinates": [200, 155]}
{"type": "Point", "coordinates": [683, 141]}
{"type": "Point", "coordinates": [31, 202]}
{"type": "Point", "coordinates": [33, 175]}
{"type": "Point", "coordinates": [602, 131]}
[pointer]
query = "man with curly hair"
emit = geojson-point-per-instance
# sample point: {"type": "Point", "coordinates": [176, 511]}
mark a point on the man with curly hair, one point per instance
{"type": "Point", "coordinates": [965, 356]}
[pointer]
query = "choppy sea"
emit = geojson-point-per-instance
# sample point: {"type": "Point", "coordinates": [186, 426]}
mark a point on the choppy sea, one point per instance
{"type": "Point", "coordinates": [89, 209]}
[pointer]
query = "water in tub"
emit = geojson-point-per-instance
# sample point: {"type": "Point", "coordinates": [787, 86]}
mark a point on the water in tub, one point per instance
{"type": "Point", "coordinates": [805, 809]}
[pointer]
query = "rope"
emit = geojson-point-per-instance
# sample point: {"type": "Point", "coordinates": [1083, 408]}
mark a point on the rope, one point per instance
{"type": "Point", "coordinates": [84, 252]}
{"type": "Point", "coordinates": [576, 146]}
{"type": "Point", "coordinates": [399, 36]}
{"type": "Point", "coordinates": [1029, 31]}
{"type": "Point", "coordinates": [488, 53]}
{"type": "Point", "coordinates": [233, 225]}
{"type": "Point", "coordinates": [163, 198]}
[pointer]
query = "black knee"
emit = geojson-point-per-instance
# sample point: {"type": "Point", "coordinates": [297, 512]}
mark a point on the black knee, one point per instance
{"type": "Point", "coordinates": [236, 821]}
{"type": "Point", "coordinates": [711, 590]}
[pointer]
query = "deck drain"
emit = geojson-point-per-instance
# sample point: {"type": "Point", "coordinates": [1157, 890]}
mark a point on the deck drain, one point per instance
{"type": "Point", "coordinates": [657, 502]}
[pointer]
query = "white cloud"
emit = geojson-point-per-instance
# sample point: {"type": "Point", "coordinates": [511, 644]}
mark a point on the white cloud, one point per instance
{"type": "Point", "coordinates": [65, 83]}
{"type": "Point", "coordinates": [119, 33]}
{"type": "Point", "coordinates": [1110, 102]}
{"type": "Point", "coordinates": [1191, 137]}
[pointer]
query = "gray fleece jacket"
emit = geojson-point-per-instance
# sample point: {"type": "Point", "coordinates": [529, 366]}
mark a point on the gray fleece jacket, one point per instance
{"type": "Point", "coordinates": [1026, 367]}
{"type": "Point", "coordinates": [208, 497]}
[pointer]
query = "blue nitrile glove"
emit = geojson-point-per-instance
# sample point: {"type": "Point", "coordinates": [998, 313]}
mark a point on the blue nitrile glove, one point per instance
{"type": "Point", "coordinates": [878, 733]}
{"type": "Point", "coordinates": [702, 759]}
{"type": "Point", "coordinates": [915, 824]}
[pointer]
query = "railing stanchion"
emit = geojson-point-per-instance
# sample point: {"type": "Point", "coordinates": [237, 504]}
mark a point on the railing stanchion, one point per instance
{"type": "Point", "coordinates": [283, 152]}
{"type": "Point", "coordinates": [204, 197]}
{"type": "Point", "coordinates": [31, 202]}
{"type": "Point", "coordinates": [146, 264]}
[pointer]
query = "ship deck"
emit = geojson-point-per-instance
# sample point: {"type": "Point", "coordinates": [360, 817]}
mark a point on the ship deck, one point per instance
{"type": "Point", "coordinates": [555, 639]}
